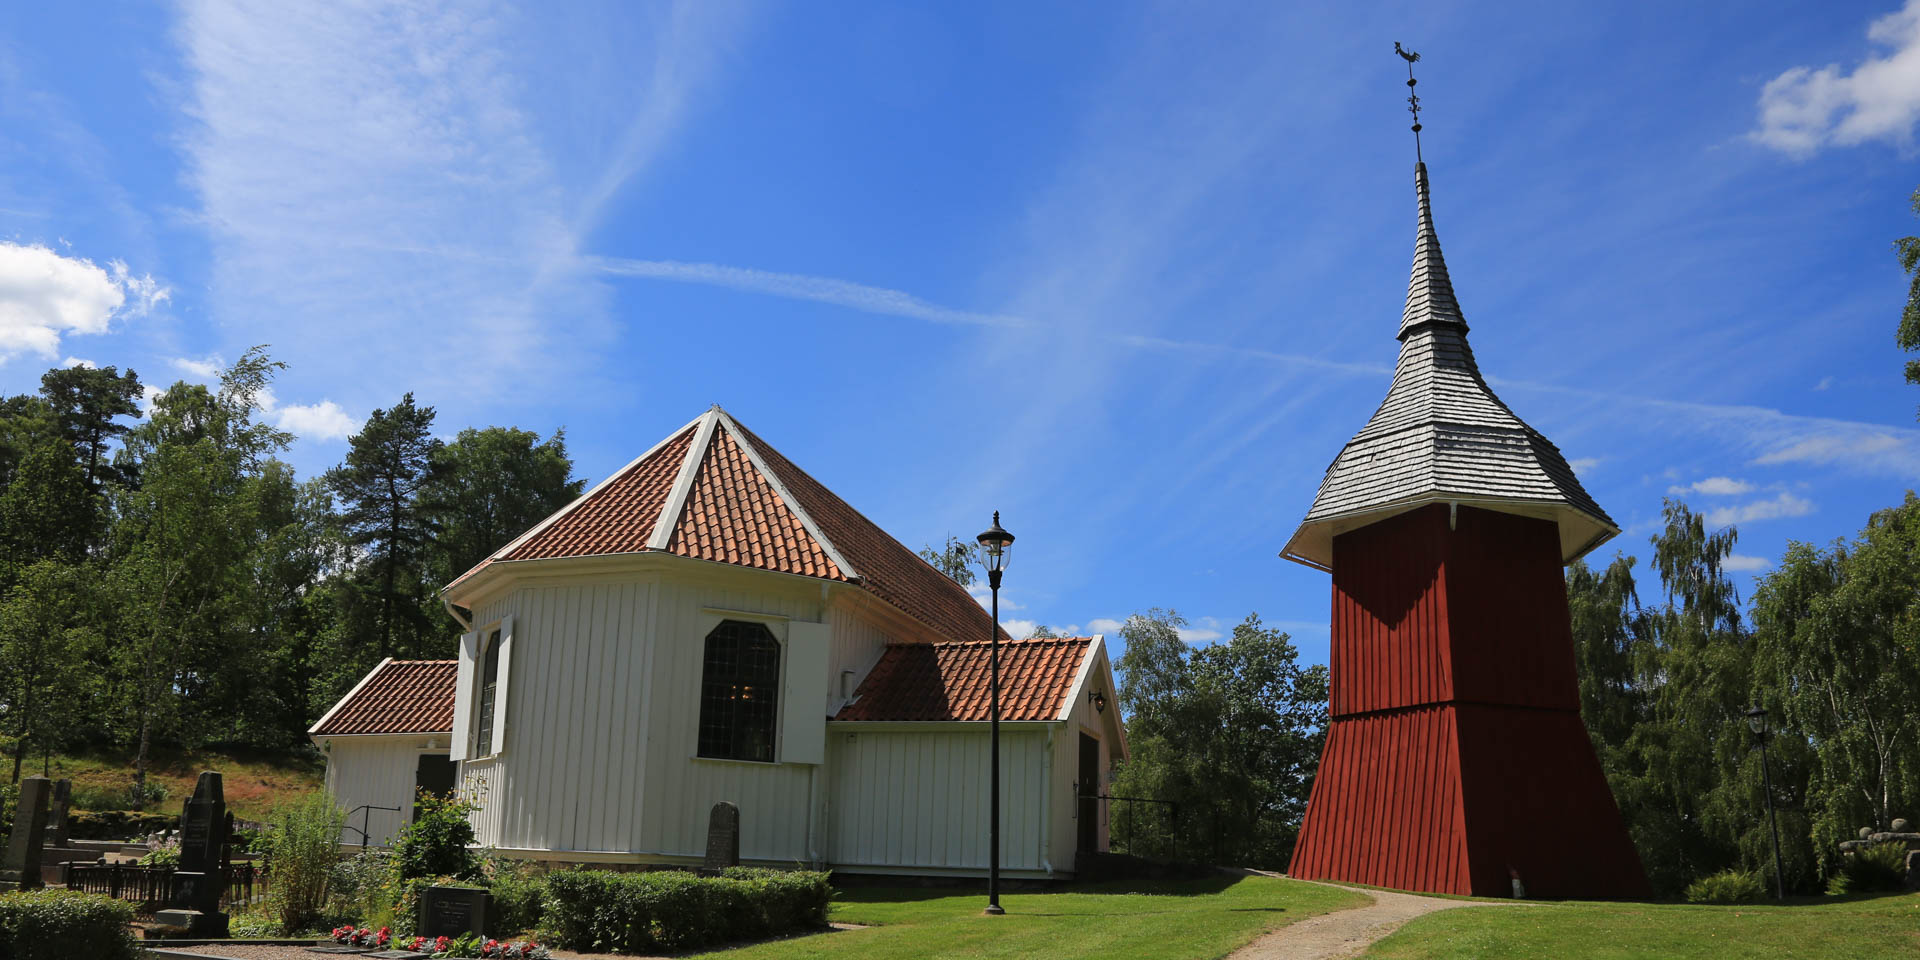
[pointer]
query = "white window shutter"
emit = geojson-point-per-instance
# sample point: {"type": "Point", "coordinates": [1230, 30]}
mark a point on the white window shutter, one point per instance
{"type": "Point", "coordinates": [463, 697]}
{"type": "Point", "coordinates": [803, 714]}
{"type": "Point", "coordinates": [500, 687]}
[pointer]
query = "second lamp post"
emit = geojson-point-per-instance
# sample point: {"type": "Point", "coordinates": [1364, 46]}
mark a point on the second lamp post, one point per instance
{"type": "Point", "coordinates": [995, 544]}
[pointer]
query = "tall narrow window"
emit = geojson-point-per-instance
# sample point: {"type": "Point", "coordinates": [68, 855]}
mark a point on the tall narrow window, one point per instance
{"type": "Point", "coordinates": [489, 680]}
{"type": "Point", "coordinates": [738, 692]}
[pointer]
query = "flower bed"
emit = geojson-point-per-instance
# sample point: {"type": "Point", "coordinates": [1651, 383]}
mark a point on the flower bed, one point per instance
{"type": "Point", "coordinates": [467, 946]}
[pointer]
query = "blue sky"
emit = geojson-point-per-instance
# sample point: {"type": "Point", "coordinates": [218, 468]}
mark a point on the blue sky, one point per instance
{"type": "Point", "coordinates": [1127, 273]}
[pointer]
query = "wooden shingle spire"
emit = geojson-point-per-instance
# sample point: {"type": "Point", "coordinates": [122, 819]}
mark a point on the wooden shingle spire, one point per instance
{"type": "Point", "coordinates": [1441, 435]}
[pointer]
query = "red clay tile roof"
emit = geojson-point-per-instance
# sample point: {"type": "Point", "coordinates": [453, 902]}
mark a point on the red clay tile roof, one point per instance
{"type": "Point", "coordinates": [399, 696]}
{"type": "Point", "coordinates": [950, 681]}
{"type": "Point", "coordinates": [733, 515]}
{"type": "Point", "coordinates": [733, 512]}
{"type": "Point", "coordinates": [617, 517]}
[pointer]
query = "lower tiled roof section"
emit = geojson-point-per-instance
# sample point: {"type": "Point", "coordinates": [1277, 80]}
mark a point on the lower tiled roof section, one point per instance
{"type": "Point", "coordinates": [886, 567]}
{"type": "Point", "coordinates": [951, 681]}
{"type": "Point", "coordinates": [401, 696]}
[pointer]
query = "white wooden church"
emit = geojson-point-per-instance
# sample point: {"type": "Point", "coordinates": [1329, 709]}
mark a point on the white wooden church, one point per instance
{"type": "Point", "coordinates": [710, 624]}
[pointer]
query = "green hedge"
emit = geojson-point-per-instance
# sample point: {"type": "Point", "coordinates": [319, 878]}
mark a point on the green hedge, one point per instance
{"type": "Point", "coordinates": [64, 924]}
{"type": "Point", "coordinates": [117, 824]}
{"type": "Point", "coordinates": [600, 911]}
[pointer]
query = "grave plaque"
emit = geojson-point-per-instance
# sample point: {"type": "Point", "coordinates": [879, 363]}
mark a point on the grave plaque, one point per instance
{"type": "Point", "coordinates": [21, 868]}
{"type": "Point", "coordinates": [723, 838]}
{"type": "Point", "coordinates": [198, 882]}
{"type": "Point", "coordinates": [453, 911]}
{"type": "Point", "coordinates": [57, 814]}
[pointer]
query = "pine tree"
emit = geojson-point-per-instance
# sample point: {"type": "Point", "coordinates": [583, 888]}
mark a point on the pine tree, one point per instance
{"type": "Point", "coordinates": [389, 462]}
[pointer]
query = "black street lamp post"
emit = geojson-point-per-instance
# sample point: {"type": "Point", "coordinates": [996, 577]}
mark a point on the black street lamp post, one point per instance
{"type": "Point", "coordinates": [1757, 722]}
{"type": "Point", "coordinates": [995, 544]}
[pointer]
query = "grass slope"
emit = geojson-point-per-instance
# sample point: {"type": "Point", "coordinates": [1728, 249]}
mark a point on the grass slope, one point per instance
{"type": "Point", "coordinates": [253, 785]}
{"type": "Point", "coordinates": [1825, 929]}
{"type": "Point", "coordinates": [1196, 920]}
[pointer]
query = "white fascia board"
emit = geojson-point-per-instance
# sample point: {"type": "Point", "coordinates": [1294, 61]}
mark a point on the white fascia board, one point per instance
{"type": "Point", "coordinates": [934, 726]}
{"type": "Point", "coordinates": [569, 508]}
{"type": "Point", "coordinates": [317, 724]}
{"type": "Point", "coordinates": [1119, 725]}
{"type": "Point", "coordinates": [1080, 675]}
{"type": "Point", "coordinates": [846, 569]}
{"type": "Point", "coordinates": [676, 502]}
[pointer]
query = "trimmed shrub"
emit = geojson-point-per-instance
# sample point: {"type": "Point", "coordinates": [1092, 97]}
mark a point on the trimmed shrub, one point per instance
{"type": "Point", "coordinates": [600, 911]}
{"type": "Point", "coordinates": [518, 889]}
{"type": "Point", "coordinates": [1878, 868]}
{"type": "Point", "coordinates": [117, 824]}
{"type": "Point", "coordinates": [63, 924]}
{"type": "Point", "coordinates": [1727, 886]}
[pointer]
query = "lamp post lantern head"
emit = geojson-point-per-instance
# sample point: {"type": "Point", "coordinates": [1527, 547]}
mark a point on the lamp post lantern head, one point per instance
{"type": "Point", "coordinates": [995, 544]}
{"type": "Point", "coordinates": [1757, 719]}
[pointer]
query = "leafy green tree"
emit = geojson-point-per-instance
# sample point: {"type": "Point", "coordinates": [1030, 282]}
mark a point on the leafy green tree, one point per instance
{"type": "Point", "coordinates": [45, 509]}
{"type": "Point", "coordinates": [45, 620]}
{"type": "Point", "coordinates": [182, 543]}
{"type": "Point", "coordinates": [389, 464]}
{"type": "Point", "coordinates": [1837, 632]}
{"type": "Point", "coordinates": [955, 559]}
{"type": "Point", "coordinates": [490, 486]}
{"type": "Point", "coordinates": [1230, 732]}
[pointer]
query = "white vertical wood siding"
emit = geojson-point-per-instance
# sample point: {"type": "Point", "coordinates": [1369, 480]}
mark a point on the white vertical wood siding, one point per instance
{"type": "Point", "coordinates": [919, 799]}
{"type": "Point", "coordinates": [378, 771]}
{"type": "Point", "coordinates": [568, 777]}
{"type": "Point", "coordinates": [775, 799]}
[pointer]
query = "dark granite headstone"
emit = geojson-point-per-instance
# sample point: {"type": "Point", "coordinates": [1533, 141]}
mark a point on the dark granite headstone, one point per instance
{"type": "Point", "coordinates": [453, 911]}
{"type": "Point", "coordinates": [198, 882]}
{"type": "Point", "coordinates": [21, 868]}
{"type": "Point", "coordinates": [723, 838]}
{"type": "Point", "coordinates": [57, 813]}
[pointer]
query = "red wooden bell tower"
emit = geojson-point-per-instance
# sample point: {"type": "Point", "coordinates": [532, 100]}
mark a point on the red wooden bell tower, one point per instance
{"type": "Point", "coordinates": [1456, 760]}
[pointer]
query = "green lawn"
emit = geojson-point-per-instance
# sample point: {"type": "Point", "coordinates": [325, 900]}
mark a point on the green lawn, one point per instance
{"type": "Point", "coordinates": [1196, 920]}
{"type": "Point", "coordinates": [1864, 928]}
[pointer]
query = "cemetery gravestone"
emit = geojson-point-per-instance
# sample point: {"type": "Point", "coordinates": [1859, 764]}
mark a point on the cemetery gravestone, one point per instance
{"type": "Point", "coordinates": [21, 868]}
{"type": "Point", "coordinates": [198, 882]}
{"type": "Point", "coordinates": [57, 814]}
{"type": "Point", "coordinates": [453, 911]}
{"type": "Point", "coordinates": [723, 838]}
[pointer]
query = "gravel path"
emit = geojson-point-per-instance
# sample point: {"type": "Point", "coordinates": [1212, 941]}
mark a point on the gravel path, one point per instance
{"type": "Point", "coordinates": [1346, 933]}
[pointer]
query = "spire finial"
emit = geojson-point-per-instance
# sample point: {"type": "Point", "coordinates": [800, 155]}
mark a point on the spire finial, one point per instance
{"type": "Point", "coordinates": [1413, 98]}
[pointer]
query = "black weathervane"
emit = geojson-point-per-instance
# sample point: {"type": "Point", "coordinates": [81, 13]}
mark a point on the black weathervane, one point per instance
{"type": "Point", "coordinates": [1413, 98]}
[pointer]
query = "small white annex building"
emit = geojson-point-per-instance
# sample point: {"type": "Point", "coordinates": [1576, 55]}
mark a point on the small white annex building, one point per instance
{"type": "Point", "coordinates": [712, 624]}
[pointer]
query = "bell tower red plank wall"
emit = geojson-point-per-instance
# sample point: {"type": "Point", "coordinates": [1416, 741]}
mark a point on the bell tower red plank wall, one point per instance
{"type": "Point", "coordinates": [1456, 758]}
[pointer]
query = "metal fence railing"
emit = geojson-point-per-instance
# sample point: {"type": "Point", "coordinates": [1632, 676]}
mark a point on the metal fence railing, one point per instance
{"type": "Point", "coordinates": [152, 888]}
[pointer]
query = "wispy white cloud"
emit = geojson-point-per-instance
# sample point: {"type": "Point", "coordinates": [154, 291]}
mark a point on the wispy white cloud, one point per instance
{"type": "Point", "coordinates": [79, 362]}
{"type": "Point", "coordinates": [1203, 630]}
{"type": "Point", "coordinates": [1741, 563]}
{"type": "Point", "coordinates": [1105, 625]}
{"type": "Point", "coordinates": [1713, 487]}
{"type": "Point", "coordinates": [1804, 109]}
{"type": "Point", "coordinates": [398, 175]}
{"type": "Point", "coordinates": [45, 295]}
{"type": "Point", "coordinates": [1584, 464]}
{"type": "Point", "coordinates": [1825, 382]}
{"type": "Point", "coordinates": [793, 286]}
{"type": "Point", "coordinates": [1782, 505]}
{"type": "Point", "coordinates": [1852, 442]}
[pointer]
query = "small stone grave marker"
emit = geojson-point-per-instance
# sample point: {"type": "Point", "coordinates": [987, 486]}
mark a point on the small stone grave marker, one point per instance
{"type": "Point", "coordinates": [21, 868]}
{"type": "Point", "coordinates": [453, 911]}
{"type": "Point", "coordinates": [723, 838]}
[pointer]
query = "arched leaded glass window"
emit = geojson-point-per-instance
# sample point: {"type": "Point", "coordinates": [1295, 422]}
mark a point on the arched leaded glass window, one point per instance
{"type": "Point", "coordinates": [739, 692]}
